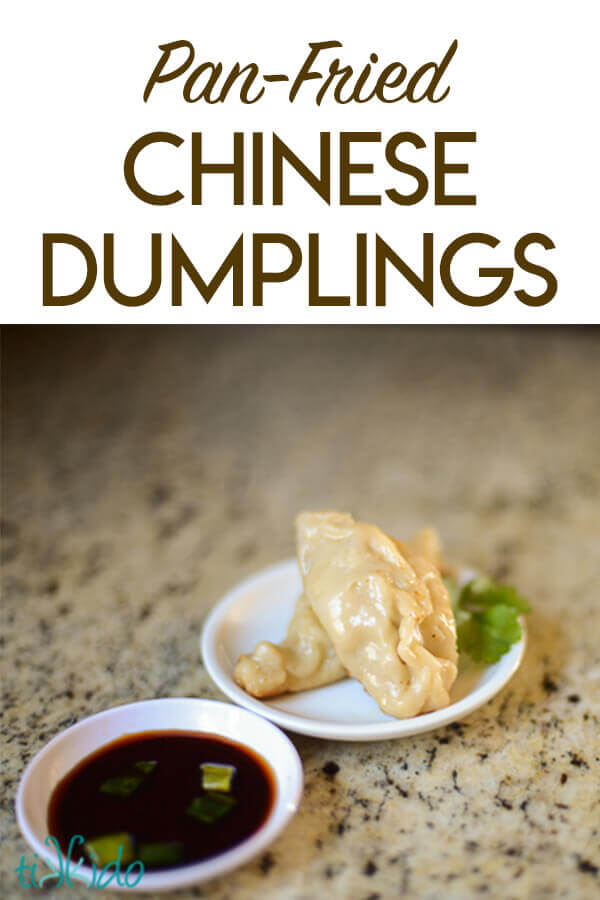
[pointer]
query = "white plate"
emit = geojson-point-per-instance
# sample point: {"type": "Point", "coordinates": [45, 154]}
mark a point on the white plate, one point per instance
{"type": "Point", "coordinates": [260, 608]}
{"type": "Point", "coordinates": [69, 747]}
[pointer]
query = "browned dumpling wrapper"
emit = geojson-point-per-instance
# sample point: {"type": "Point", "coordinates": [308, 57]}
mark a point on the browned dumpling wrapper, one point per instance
{"type": "Point", "coordinates": [390, 622]}
{"type": "Point", "coordinates": [373, 608]}
{"type": "Point", "coordinates": [305, 659]}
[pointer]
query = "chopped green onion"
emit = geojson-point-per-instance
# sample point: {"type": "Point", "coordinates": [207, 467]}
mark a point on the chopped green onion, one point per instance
{"type": "Point", "coordinates": [124, 785]}
{"type": "Point", "coordinates": [217, 777]}
{"type": "Point", "coordinates": [121, 785]}
{"type": "Point", "coordinates": [211, 807]}
{"type": "Point", "coordinates": [105, 849]}
{"type": "Point", "coordinates": [169, 853]}
{"type": "Point", "coordinates": [145, 766]}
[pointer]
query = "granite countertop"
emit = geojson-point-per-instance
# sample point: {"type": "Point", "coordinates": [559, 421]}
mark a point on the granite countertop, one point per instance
{"type": "Point", "coordinates": [148, 470]}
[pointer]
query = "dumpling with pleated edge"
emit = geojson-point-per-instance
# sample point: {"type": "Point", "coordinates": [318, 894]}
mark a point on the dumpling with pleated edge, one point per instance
{"type": "Point", "coordinates": [385, 609]}
{"type": "Point", "coordinates": [382, 614]}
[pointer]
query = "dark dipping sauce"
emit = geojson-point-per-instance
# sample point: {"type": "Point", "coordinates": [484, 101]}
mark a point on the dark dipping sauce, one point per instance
{"type": "Point", "coordinates": [157, 811]}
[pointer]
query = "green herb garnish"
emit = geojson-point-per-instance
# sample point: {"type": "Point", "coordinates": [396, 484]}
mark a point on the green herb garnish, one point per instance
{"type": "Point", "coordinates": [211, 807]}
{"type": "Point", "coordinates": [482, 592]}
{"type": "Point", "coordinates": [217, 777]}
{"type": "Point", "coordinates": [105, 849]}
{"type": "Point", "coordinates": [487, 618]}
{"type": "Point", "coordinates": [168, 853]}
{"type": "Point", "coordinates": [125, 785]}
{"type": "Point", "coordinates": [121, 785]}
{"type": "Point", "coordinates": [145, 766]}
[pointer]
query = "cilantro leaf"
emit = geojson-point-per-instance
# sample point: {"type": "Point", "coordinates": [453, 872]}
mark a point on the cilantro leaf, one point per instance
{"type": "Point", "coordinates": [487, 636]}
{"type": "Point", "coordinates": [483, 592]}
{"type": "Point", "coordinates": [487, 618]}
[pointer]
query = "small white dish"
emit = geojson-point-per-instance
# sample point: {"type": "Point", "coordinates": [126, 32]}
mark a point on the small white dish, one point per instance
{"type": "Point", "coordinates": [260, 608]}
{"type": "Point", "coordinates": [69, 747]}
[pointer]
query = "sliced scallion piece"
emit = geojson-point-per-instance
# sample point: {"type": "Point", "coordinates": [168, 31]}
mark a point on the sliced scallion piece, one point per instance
{"type": "Point", "coordinates": [145, 766]}
{"type": "Point", "coordinates": [121, 785]}
{"type": "Point", "coordinates": [126, 784]}
{"type": "Point", "coordinates": [211, 807]}
{"type": "Point", "coordinates": [167, 853]}
{"type": "Point", "coordinates": [105, 849]}
{"type": "Point", "coordinates": [217, 777]}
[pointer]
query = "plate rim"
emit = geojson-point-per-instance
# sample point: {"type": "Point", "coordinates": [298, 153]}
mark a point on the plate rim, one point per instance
{"type": "Point", "coordinates": [396, 728]}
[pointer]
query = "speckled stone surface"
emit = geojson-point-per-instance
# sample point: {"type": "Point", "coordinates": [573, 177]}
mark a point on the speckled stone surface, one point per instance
{"type": "Point", "coordinates": [146, 471]}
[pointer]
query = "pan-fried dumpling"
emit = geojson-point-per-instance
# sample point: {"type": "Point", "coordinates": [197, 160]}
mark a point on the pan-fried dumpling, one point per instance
{"type": "Point", "coordinates": [305, 659]}
{"type": "Point", "coordinates": [426, 543]}
{"type": "Point", "coordinates": [390, 622]}
{"type": "Point", "coordinates": [438, 628]}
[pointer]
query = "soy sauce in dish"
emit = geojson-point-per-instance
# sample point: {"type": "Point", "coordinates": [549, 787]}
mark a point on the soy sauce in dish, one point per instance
{"type": "Point", "coordinates": [166, 797]}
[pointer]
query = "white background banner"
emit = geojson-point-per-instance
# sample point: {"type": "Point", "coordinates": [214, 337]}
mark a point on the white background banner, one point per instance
{"type": "Point", "coordinates": [523, 79]}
